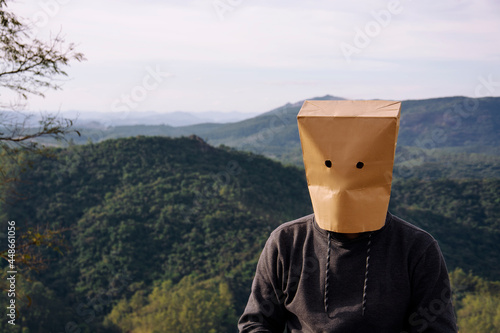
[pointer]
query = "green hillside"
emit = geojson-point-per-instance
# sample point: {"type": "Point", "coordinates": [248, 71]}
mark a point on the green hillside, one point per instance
{"type": "Point", "coordinates": [150, 209]}
{"type": "Point", "coordinates": [172, 228]}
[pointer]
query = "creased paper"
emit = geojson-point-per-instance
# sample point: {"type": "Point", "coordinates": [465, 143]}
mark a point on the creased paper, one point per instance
{"type": "Point", "coordinates": [348, 149]}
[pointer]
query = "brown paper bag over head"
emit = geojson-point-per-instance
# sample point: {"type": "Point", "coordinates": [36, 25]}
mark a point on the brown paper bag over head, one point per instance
{"type": "Point", "coordinates": [348, 149]}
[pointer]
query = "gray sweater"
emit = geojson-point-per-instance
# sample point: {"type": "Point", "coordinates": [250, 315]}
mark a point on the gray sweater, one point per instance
{"type": "Point", "coordinates": [390, 280]}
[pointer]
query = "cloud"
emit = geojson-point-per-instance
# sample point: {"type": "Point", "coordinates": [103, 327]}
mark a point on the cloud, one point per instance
{"type": "Point", "coordinates": [293, 44]}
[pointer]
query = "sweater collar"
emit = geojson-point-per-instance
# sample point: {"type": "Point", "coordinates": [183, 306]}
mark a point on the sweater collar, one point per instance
{"type": "Point", "coordinates": [341, 239]}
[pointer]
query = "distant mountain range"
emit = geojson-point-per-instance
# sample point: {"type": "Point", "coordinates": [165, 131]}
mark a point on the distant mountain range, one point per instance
{"type": "Point", "coordinates": [460, 134]}
{"type": "Point", "coordinates": [178, 118]}
{"type": "Point", "coordinates": [102, 120]}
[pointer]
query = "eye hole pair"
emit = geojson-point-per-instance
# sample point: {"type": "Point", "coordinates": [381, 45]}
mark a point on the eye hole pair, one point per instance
{"type": "Point", "coordinates": [329, 164]}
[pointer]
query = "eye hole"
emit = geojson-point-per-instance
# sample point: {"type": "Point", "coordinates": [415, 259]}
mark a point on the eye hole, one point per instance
{"type": "Point", "coordinates": [328, 163]}
{"type": "Point", "coordinates": [360, 165]}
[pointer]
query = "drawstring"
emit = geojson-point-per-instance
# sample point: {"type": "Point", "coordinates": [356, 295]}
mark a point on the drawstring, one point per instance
{"type": "Point", "coordinates": [327, 277]}
{"type": "Point", "coordinates": [366, 272]}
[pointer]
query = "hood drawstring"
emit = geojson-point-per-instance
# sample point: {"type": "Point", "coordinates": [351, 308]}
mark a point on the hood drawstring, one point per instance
{"type": "Point", "coordinates": [368, 246]}
{"type": "Point", "coordinates": [327, 275]}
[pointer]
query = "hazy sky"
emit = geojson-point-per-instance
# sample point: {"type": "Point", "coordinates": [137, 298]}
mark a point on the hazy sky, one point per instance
{"type": "Point", "coordinates": [253, 55]}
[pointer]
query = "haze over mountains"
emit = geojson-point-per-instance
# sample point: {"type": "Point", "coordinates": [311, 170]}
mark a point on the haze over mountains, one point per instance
{"type": "Point", "coordinates": [178, 118]}
{"type": "Point", "coordinates": [447, 122]}
{"type": "Point", "coordinates": [459, 133]}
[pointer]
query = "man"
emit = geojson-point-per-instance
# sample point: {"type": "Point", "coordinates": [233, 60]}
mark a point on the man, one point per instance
{"type": "Point", "coordinates": [351, 266]}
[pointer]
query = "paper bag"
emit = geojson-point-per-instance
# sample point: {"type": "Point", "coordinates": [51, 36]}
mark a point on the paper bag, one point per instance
{"type": "Point", "coordinates": [348, 149]}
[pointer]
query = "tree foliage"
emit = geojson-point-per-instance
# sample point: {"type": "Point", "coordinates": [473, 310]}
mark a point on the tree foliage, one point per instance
{"type": "Point", "coordinates": [195, 306]}
{"type": "Point", "coordinates": [477, 302]}
{"type": "Point", "coordinates": [141, 210]}
{"type": "Point", "coordinates": [28, 67]}
{"type": "Point", "coordinates": [144, 210]}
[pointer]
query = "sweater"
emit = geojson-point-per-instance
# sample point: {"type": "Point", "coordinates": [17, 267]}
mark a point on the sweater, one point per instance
{"type": "Point", "coordinates": [311, 280]}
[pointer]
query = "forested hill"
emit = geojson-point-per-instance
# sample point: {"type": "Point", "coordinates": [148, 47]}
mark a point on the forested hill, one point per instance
{"type": "Point", "coordinates": [166, 232]}
{"type": "Point", "coordinates": [149, 209]}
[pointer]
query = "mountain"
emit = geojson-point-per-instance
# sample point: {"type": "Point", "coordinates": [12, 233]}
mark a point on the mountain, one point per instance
{"type": "Point", "coordinates": [177, 118]}
{"type": "Point", "coordinates": [452, 137]}
{"type": "Point", "coordinates": [210, 131]}
{"type": "Point", "coordinates": [148, 209]}
{"type": "Point", "coordinates": [466, 123]}
{"type": "Point", "coordinates": [455, 123]}
{"type": "Point", "coordinates": [162, 227]}
{"type": "Point", "coordinates": [104, 120]}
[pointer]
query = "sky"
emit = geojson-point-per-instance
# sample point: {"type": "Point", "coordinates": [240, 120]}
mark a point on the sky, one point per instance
{"type": "Point", "coordinates": [253, 56]}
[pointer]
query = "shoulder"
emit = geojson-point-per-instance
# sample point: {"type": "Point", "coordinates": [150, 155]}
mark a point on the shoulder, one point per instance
{"type": "Point", "coordinates": [407, 230]}
{"type": "Point", "coordinates": [293, 228]}
{"type": "Point", "coordinates": [412, 238]}
{"type": "Point", "coordinates": [292, 233]}
{"type": "Point", "coordinates": [295, 225]}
